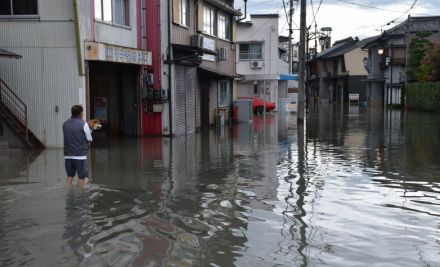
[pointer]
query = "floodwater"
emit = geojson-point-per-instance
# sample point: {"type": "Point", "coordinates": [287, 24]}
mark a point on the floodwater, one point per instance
{"type": "Point", "coordinates": [358, 187]}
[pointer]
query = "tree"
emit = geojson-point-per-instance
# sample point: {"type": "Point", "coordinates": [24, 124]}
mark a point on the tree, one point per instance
{"type": "Point", "coordinates": [429, 69]}
{"type": "Point", "coordinates": [418, 49]}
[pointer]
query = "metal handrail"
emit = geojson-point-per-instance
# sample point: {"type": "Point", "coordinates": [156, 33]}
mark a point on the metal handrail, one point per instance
{"type": "Point", "coordinates": [14, 104]}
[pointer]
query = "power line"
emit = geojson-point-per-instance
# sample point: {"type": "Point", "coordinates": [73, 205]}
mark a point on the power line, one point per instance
{"type": "Point", "coordinates": [394, 20]}
{"type": "Point", "coordinates": [315, 13]}
{"type": "Point", "coordinates": [367, 6]}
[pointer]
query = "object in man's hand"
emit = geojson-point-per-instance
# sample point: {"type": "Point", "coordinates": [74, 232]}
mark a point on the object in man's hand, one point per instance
{"type": "Point", "coordinates": [94, 124]}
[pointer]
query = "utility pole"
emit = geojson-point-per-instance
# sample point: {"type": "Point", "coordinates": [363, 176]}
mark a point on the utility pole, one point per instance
{"type": "Point", "coordinates": [302, 61]}
{"type": "Point", "coordinates": [290, 35]}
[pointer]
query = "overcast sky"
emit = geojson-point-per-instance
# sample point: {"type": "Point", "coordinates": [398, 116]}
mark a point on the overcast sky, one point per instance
{"type": "Point", "coordinates": [347, 19]}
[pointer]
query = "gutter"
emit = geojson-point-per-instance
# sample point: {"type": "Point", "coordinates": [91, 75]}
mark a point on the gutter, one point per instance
{"type": "Point", "coordinates": [78, 39]}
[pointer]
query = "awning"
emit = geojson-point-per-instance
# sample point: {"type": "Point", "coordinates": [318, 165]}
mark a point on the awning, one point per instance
{"type": "Point", "coordinates": [194, 49]}
{"type": "Point", "coordinates": [7, 54]}
{"type": "Point", "coordinates": [210, 72]}
{"type": "Point", "coordinates": [288, 77]}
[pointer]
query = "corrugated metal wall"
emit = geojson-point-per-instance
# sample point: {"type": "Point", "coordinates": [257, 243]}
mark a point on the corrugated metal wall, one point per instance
{"type": "Point", "coordinates": [47, 75]}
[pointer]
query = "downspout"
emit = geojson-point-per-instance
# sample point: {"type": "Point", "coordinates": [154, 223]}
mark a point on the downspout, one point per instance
{"type": "Point", "coordinates": [245, 13]}
{"type": "Point", "coordinates": [169, 71]}
{"type": "Point", "coordinates": [78, 39]}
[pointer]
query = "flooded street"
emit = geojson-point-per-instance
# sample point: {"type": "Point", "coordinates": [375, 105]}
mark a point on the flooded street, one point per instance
{"type": "Point", "coordinates": [349, 188]}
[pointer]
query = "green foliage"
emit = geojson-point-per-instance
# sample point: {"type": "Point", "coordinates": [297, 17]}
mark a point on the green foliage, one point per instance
{"type": "Point", "coordinates": [429, 69]}
{"type": "Point", "coordinates": [419, 48]}
{"type": "Point", "coordinates": [424, 96]}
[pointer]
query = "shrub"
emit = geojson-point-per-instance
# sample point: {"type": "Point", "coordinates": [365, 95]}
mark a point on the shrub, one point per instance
{"type": "Point", "coordinates": [424, 96]}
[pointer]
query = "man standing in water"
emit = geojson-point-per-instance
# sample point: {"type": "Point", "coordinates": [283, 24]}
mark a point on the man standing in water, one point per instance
{"type": "Point", "coordinates": [77, 138]}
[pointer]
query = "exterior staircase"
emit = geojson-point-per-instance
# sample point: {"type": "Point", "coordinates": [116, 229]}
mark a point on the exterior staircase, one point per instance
{"type": "Point", "coordinates": [13, 112]}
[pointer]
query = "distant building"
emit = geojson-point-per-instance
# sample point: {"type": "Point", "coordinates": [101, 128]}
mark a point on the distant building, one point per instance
{"type": "Point", "coordinates": [341, 71]}
{"type": "Point", "coordinates": [261, 58]}
{"type": "Point", "coordinates": [386, 61]}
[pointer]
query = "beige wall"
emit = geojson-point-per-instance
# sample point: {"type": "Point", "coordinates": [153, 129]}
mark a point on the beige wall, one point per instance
{"type": "Point", "coordinates": [354, 61]}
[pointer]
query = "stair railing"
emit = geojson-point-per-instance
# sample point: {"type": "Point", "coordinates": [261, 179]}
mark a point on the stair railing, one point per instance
{"type": "Point", "coordinates": [12, 102]}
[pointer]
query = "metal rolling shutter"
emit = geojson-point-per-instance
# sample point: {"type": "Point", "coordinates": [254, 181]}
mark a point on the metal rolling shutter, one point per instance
{"type": "Point", "coordinates": [190, 84]}
{"type": "Point", "coordinates": [185, 99]}
{"type": "Point", "coordinates": [180, 100]}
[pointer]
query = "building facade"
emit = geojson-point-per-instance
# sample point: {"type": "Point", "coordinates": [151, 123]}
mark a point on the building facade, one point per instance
{"type": "Point", "coordinates": [104, 55]}
{"type": "Point", "coordinates": [199, 62]}
{"type": "Point", "coordinates": [259, 60]}
{"type": "Point", "coordinates": [341, 72]}
{"type": "Point", "coordinates": [387, 58]}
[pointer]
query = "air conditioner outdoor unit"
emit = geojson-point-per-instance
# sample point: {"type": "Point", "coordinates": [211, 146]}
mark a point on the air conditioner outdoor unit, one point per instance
{"type": "Point", "coordinates": [197, 40]}
{"type": "Point", "coordinates": [223, 53]}
{"type": "Point", "coordinates": [256, 64]}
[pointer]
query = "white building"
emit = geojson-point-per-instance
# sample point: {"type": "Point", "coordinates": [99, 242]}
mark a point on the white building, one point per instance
{"type": "Point", "coordinates": [258, 57]}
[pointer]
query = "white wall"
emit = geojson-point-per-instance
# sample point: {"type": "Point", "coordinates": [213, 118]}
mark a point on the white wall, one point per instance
{"type": "Point", "coordinates": [262, 30]}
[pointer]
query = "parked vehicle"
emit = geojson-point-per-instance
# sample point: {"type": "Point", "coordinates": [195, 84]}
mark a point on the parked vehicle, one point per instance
{"type": "Point", "coordinates": [258, 104]}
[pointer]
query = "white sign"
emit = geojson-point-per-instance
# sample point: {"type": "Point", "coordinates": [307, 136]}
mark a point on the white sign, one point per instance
{"type": "Point", "coordinates": [105, 52]}
{"type": "Point", "coordinates": [353, 97]}
{"type": "Point", "coordinates": [209, 44]}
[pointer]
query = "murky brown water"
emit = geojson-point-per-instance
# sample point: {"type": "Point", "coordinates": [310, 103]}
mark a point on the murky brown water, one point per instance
{"type": "Point", "coordinates": [359, 188]}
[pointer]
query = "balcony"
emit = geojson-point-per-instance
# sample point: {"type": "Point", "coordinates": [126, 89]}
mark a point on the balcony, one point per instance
{"type": "Point", "coordinates": [250, 56]}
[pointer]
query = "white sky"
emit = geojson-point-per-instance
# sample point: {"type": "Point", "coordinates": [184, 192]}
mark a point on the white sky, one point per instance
{"type": "Point", "coordinates": [346, 19]}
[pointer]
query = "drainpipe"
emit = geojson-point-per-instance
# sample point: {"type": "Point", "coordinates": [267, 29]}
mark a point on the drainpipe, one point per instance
{"type": "Point", "coordinates": [78, 39]}
{"type": "Point", "coordinates": [169, 70]}
{"type": "Point", "coordinates": [245, 13]}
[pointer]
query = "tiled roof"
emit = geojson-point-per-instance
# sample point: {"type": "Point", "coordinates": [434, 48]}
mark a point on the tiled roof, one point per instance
{"type": "Point", "coordinates": [416, 24]}
{"type": "Point", "coordinates": [344, 46]}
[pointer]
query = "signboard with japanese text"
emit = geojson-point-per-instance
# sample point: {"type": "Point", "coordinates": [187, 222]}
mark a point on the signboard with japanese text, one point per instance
{"type": "Point", "coordinates": [112, 53]}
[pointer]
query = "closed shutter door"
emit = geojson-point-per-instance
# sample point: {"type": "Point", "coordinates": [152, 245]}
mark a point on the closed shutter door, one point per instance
{"type": "Point", "coordinates": [180, 100]}
{"type": "Point", "coordinates": [190, 84]}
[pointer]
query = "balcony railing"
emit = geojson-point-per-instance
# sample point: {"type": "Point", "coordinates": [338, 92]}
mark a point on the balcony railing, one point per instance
{"type": "Point", "coordinates": [250, 56]}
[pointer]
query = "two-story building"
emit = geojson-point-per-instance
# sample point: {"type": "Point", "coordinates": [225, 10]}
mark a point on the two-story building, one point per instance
{"type": "Point", "coordinates": [102, 54]}
{"type": "Point", "coordinates": [342, 71]}
{"type": "Point", "coordinates": [199, 60]}
{"type": "Point", "coordinates": [258, 57]}
{"type": "Point", "coordinates": [387, 57]}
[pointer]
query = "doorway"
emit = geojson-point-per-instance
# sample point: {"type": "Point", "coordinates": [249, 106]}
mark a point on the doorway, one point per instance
{"type": "Point", "coordinates": [113, 98]}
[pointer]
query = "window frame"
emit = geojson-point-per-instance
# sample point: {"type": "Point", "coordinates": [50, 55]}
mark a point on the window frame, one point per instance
{"type": "Point", "coordinates": [241, 56]}
{"type": "Point", "coordinates": [212, 23]}
{"type": "Point", "coordinates": [227, 26]}
{"type": "Point", "coordinates": [220, 101]}
{"type": "Point", "coordinates": [21, 16]}
{"type": "Point", "coordinates": [183, 22]}
{"type": "Point", "coordinates": [126, 4]}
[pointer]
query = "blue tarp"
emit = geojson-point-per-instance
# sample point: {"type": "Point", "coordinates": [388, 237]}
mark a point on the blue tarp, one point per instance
{"type": "Point", "coordinates": [288, 77]}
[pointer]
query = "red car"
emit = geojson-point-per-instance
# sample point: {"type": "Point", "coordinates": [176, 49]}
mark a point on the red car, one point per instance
{"type": "Point", "coordinates": [258, 104]}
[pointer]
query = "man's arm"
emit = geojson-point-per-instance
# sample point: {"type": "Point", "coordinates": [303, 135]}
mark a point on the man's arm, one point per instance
{"type": "Point", "coordinates": [87, 132]}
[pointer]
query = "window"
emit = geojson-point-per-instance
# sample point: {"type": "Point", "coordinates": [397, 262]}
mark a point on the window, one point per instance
{"type": "Point", "coordinates": [114, 11]}
{"type": "Point", "coordinates": [18, 7]}
{"type": "Point", "coordinates": [224, 93]}
{"type": "Point", "coordinates": [184, 12]}
{"type": "Point", "coordinates": [208, 20]}
{"type": "Point", "coordinates": [224, 27]}
{"type": "Point", "coordinates": [251, 51]}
